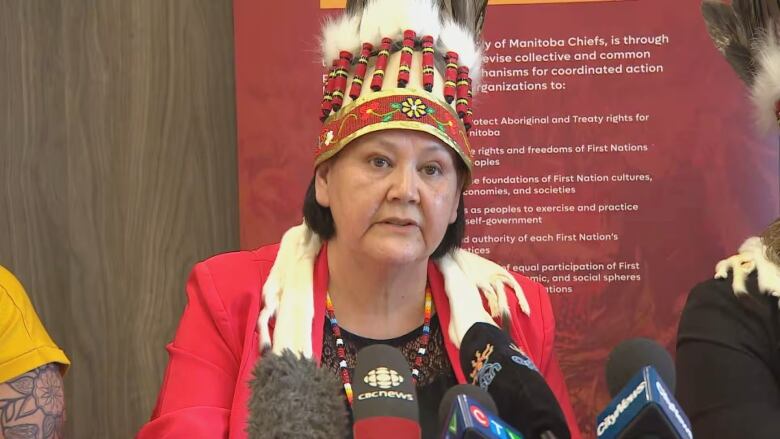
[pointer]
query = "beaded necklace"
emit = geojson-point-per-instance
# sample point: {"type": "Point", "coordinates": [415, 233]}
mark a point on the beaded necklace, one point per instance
{"type": "Point", "coordinates": [342, 355]}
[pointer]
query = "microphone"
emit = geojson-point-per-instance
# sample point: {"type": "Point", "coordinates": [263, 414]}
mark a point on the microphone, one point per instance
{"type": "Point", "coordinates": [468, 412]}
{"type": "Point", "coordinates": [385, 400]}
{"type": "Point", "coordinates": [292, 397]}
{"type": "Point", "coordinates": [472, 391]}
{"type": "Point", "coordinates": [633, 354]}
{"type": "Point", "coordinates": [643, 406]}
{"type": "Point", "coordinates": [525, 401]}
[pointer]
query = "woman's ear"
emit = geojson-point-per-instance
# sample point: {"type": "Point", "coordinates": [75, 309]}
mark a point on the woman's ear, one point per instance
{"type": "Point", "coordinates": [454, 213]}
{"type": "Point", "coordinates": [321, 180]}
{"type": "Point", "coordinates": [462, 175]}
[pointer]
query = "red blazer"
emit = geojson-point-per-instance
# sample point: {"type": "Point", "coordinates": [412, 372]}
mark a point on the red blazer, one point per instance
{"type": "Point", "coordinates": [205, 390]}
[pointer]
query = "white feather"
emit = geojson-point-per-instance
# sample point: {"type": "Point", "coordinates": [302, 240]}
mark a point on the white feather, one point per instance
{"type": "Point", "coordinates": [370, 23]}
{"type": "Point", "coordinates": [475, 71]}
{"type": "Point", "coordinates": [766, 86]}
{"type": "Point", "coordinates": [340, 33]}
{"type": "Point", "coordinates": [456, 38]}
{"type": "Point", "coordinates": [423, 19]}
{"type": "Point", "coordinates": [385, 19]}
{"type": "Point", "coordinates": [388, 19]}
{"type": "Point", "coordinates": [369, 33]}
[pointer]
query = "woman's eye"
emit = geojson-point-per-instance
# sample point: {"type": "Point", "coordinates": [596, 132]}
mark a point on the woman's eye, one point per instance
{"type": "Point", "coordinates": [432, 170]}
{"type": "Point", "coordinates": [380, 162]}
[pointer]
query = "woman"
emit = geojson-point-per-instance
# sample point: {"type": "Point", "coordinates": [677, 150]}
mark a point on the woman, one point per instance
{"type": "Point", "coordinates": [376, 259]}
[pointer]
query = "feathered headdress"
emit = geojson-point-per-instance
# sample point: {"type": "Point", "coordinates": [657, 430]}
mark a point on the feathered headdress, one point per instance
{"type": "Point", "coordinates": [401, 64]}
{"type": "Point", "coordinates": [746, 33]}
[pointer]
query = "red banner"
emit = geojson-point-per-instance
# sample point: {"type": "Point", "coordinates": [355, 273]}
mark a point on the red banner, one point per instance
{"type": "Point", "coordinates": [617, 160]}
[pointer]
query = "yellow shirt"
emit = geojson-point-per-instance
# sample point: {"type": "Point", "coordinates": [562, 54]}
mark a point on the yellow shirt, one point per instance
{"type": "Point", "coordinates": [24, 343]}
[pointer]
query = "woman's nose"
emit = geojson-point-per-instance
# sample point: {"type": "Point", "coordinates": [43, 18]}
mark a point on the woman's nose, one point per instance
{"type": "Point", "coordinates": [404, 185]}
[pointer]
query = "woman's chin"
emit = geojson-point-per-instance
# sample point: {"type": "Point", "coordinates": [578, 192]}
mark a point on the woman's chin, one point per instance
{"type": "Point", "coordinates": [397, 251]}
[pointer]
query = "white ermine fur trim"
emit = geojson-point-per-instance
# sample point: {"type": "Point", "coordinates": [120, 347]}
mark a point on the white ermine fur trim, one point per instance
{"type": "Point", "coordinates": [272, 289]}
{"type": "Point", "coordinates": [290, 287]}
{"type": "Point", "coordinates": [340, 33]}
{"type": "Point", "coordinates": [752, 256]}
{"type": "Point", "coordinates": [741, 266]}
{"type": "Point", "coordinates": [456, 38]}
{"type": "Point", "coordinates": [288, 293]}
{"type": "Point", "coordinates": [490, 278]}
{"type": "Point", "coordinates": [466, 307]}
{"type": "Point", "coordinates": [766, 85]}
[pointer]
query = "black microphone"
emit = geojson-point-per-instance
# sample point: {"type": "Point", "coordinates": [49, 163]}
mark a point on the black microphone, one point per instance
{"type": "Point", "coordinates": [470, 390]}
{"type": "Point", "coordinates": [292, 397]}
{"type": "Point", "coordinates": [643, 406]}
{"type": "Point", "coordinates": [493, 362]}
{"type": "Point", "coordinates": [468, 412]}
{"type": "Point", "coordinates": [385, 400]}
{"type": "Point", "coordinates": [629, 356]}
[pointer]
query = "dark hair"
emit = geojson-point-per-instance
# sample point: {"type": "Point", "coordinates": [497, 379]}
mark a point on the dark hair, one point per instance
{"type": "Point", "coordinates": [320, 220]}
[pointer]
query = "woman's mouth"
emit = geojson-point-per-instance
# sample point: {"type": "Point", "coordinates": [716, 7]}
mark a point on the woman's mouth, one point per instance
{"type": "Point", "coordinates": [400, 222]}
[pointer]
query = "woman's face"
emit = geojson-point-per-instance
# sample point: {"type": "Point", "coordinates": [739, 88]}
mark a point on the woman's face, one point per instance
{"type": "Point", "coordinates": [392, 195]}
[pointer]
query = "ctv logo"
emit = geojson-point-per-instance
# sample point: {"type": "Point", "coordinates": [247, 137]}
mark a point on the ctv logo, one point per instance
{"type": "Point", "coordinates": [479, 416]}
{"type": "Point", "coordinates": [339, 4]}
{"type": "Point", "coordinates": [484, 420]}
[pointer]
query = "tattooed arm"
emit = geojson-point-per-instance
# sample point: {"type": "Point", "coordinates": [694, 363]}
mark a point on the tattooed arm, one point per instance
{"type": "Point", "coordinates": [32, 406]}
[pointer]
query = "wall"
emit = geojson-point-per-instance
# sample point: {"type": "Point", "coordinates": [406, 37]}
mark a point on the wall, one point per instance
{"type": "Point", "coordinates": [117, 173]}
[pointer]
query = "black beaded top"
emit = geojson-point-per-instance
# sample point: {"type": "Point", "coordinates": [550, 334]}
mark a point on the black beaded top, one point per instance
{"type": "Point", "coordinates": [436, 373]}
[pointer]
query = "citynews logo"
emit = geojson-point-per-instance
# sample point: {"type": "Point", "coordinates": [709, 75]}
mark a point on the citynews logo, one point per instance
{"type": "Point", "coordinates": [384, 378]}
{"type": "Point", "coordinates": [673, 408]}
{"type": "Point", "coordinates": [621, 407]}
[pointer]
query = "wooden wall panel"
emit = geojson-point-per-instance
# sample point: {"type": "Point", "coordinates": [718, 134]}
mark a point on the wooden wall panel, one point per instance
{"type": "Point", "coordinates": [34, 241]}
{"type": "Point", "coordinates": [119, 172]}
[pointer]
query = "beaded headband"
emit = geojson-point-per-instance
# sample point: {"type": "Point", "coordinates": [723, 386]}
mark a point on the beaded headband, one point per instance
{"type": "Point", "coordinates": [395, 64]}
